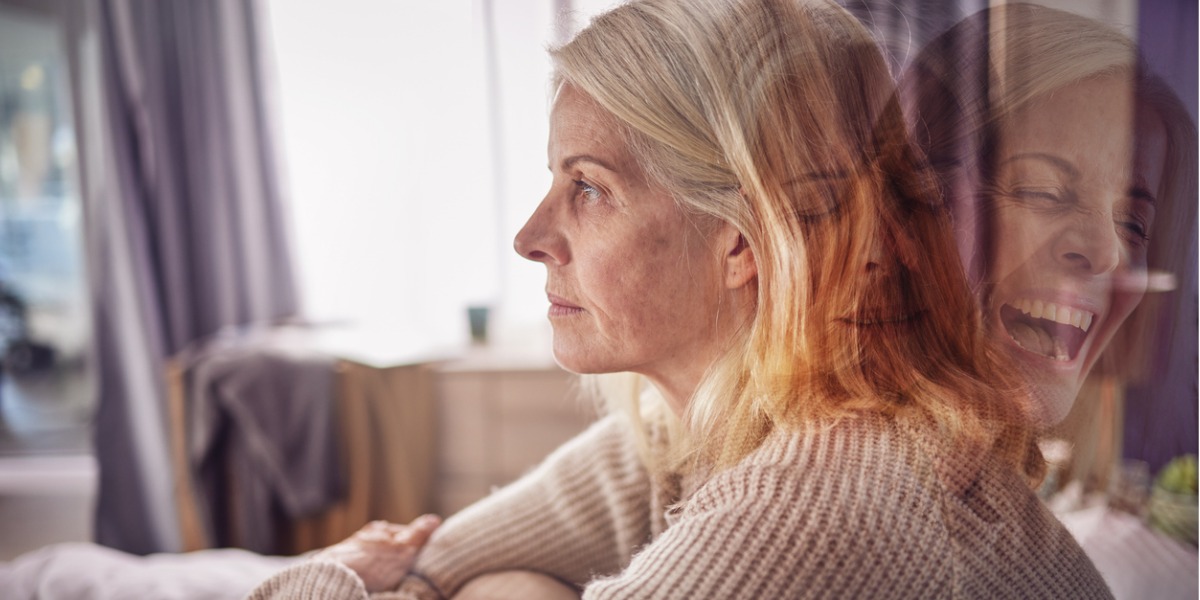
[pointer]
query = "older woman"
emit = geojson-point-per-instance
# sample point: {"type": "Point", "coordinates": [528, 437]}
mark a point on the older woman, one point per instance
{"type": "Point", "coordinates": [736, 218]}
{"type": "Point", "coordinates": [1071, 173]}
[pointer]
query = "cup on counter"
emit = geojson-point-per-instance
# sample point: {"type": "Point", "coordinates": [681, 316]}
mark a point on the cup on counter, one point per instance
{"type": "Point", "coordinates": [477, 317]}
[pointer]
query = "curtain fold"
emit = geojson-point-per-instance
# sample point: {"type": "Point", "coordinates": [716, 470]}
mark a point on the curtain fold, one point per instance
{"type": "Point", "coordinates": [185, 228]}
{"type": "Point", "coordinates": [904, 27]}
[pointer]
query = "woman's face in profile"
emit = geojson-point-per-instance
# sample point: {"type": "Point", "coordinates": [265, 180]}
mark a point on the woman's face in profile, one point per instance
{"type": "Point", "coordinates": [1072, 210]}
{"type": "Point", "coordinates": [632, 281]}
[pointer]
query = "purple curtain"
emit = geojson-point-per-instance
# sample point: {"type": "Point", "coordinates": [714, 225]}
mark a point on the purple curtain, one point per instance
{"type": "Point", "coordinates": [184, 224]}
{"type": "Point", "coordinates": [1161, 415]}
{"type": "Point", "coordinates": [904, 27]}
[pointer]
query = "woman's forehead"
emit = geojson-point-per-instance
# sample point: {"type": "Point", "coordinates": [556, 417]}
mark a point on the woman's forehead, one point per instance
{"type": "Point", "coordinates": [580, 127]}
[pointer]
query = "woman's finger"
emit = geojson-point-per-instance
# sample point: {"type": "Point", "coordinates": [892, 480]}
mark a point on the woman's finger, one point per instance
{"type": "Point", "coordinates": [418, 532]}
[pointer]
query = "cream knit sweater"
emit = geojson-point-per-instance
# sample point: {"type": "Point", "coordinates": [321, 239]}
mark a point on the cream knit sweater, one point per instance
{"type": "Point", "coordinates": [853, 509]}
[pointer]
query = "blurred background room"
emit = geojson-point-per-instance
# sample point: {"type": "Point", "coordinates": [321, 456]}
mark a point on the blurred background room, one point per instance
{"type": "Point", "coordinates": [240, 241]}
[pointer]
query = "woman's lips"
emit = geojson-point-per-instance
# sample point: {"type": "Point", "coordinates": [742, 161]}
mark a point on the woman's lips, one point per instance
{"type": "Point", "coordinates": [1053, 330]}
{"type": "Point", "coordinates": [560, 307]}
{"type": "Point", "coordinates": [1059, 313]}
{"type": "Point", "coordinates": [882, 318]}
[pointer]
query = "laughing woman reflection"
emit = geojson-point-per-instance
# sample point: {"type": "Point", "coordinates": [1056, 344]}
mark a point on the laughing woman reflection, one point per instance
{"type": "Point", "coordinates": [1071, 173]}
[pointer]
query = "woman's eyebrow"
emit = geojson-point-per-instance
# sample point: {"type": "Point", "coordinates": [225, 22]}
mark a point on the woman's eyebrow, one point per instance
{"type": "Point", "coordinates": [817, 176]}
{"type": "Point", "coordinates": [1061, 163]}
{"type": "Point", "coordinates": [570, 161]}
{"type": "Point", "coordinates": [1140, 190]}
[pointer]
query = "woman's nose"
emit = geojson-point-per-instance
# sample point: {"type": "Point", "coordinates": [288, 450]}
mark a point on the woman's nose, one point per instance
{"type": "Point", "coordinates": [1090, 245]}
{"type": "Point", "coordinates": [879, 260]}
{"type": "Point", "coordinates": [538, 240]}
{"type": "Point", "coordinates": [888, 250]}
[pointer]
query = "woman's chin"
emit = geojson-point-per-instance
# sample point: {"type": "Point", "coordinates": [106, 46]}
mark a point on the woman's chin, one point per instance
{"type": "Point", "coordinates": [576, 360]}
{"type": "Point", "coordinates": [1052, 401]}
{"type": "Point", "coordinates": [1052, 382]}
{"type": "Point", "coordinates": [564, 361]}
{"type": "Point", "coordinates": [570, 366]}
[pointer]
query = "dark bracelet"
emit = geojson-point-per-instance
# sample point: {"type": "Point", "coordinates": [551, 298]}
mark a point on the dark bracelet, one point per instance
{"type": "Point", "coordinates": [428, 583]}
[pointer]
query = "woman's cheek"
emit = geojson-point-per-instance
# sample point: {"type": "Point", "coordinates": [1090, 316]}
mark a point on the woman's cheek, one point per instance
{"type": "Point", "coordinates": [1020, 234]}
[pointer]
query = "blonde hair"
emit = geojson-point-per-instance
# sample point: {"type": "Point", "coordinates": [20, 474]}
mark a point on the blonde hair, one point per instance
{"type": "Point", "coordinates": [778, 117]}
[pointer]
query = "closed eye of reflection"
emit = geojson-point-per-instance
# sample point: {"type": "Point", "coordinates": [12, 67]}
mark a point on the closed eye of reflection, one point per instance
{"type": "Point", "coordinates": [1041, 194]}
{"type": "Point", "coordinates": [817, 196]}
{"type": "Point", "coordinates": [1138, 218]}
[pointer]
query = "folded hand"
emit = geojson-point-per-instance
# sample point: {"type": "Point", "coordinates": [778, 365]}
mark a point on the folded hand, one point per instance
{"type": "Point", "coordinates": [381, 553]}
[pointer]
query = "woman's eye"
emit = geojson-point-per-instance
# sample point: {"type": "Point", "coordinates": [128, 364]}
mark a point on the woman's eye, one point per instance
{"type": "Point", "coordinates": [1134, 231]}
{"type": "Point", "coordinates": [817, 210]}
{"type": "Point", "coordinates": [1036, 195]}
{"type": "Point", "coordinates": [1136, 219]}
{"type": "Point", "coordinates": [588, 192]}
{"type": "Point", "coordinates": [815, 201]}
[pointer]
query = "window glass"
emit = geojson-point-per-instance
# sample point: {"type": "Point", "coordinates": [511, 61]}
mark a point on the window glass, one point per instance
{"type": "Point", "coordinates": [44, 329]}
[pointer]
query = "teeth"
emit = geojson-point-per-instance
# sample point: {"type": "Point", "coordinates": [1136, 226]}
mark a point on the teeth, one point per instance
{"type": "Point", "coordinates": [1054, 312]}
{"type": "Point", "coordinates": [1035, 339]}
{"type": "Point", "coordinates": [1060, 351]}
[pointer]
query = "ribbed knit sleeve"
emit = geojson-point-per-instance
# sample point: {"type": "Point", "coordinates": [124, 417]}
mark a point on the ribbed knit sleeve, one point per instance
{"type": "Point", "coordinates": [581, 514]}
{"type": "Point", "coordinates": [311, 580]}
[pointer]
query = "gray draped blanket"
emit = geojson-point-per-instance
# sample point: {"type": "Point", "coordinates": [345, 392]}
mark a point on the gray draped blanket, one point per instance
{"type": "Point", "coordinates": [261, 437]}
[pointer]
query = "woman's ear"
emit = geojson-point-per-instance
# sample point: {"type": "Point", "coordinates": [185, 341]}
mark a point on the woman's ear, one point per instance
{"type": "Point", "coordinates": [738, 258]}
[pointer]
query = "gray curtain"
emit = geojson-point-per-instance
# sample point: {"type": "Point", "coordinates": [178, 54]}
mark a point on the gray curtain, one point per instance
{"type": "Point", "coordinates": [184, 227]}
{"type": "Point", "coordinates": [904, 27]}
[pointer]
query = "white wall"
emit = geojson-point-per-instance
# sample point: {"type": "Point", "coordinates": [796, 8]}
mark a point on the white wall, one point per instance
{"type": "Point", "coordinates": [400, 219]}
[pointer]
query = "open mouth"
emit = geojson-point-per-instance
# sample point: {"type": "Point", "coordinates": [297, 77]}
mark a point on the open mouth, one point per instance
{"type": "Point", "coordinates": [1051, 330]}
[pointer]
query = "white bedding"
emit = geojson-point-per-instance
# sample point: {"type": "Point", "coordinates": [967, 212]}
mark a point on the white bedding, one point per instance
{"type": "Point", "coordinates": [1135, 561]}
{"type": "Point", "coordinates": [81, 571]}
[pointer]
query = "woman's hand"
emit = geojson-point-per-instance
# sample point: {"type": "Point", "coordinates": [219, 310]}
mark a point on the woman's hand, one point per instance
{"type": "Point", "coordinates": [516, 585]}
{"type": "Point", "coordinates": [381, 553]}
